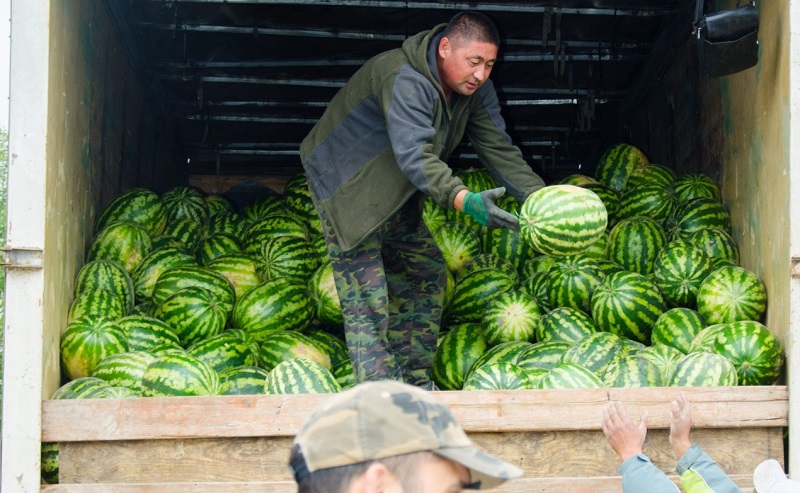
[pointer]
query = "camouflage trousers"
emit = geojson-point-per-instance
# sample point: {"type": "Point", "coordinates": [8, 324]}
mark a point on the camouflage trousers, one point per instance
{"type": "Point", "coordinates": [391, 288]}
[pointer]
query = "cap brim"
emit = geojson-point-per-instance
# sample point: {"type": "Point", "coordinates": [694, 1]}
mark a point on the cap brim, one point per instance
{"type": "Point", "coordinates": [769, 476]}
{"type": "Point", "coordinates": [487, 470]}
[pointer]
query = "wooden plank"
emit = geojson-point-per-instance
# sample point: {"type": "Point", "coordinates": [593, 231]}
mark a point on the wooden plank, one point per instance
{"type": "Point", "coordinates": [501, 411]}
{"type": "Point", "coordinates": [265, 459]}
{"type": "Point", "coordinates": [219, 184]}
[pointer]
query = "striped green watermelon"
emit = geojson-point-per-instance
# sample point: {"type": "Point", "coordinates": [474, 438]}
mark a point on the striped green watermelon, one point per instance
{"type": "Point", "coordinates": [124, 369]}
{"type": "Point", "coordinates": [49, 462]}
{"type": "Point", "coordinates": [195, 276]}
{"type": "Point", "coordinates": [632, 371]}
{"type": "Point", "coordinates": [617, 163]}
{"type": "Point", "coordinates": [500, 376]}
{"type": "Point", "coordinates": [300, 376]}
{"type": "Point", "coordinates": [570, 376]}
{"type": "Point", "coordinates": [651, 174]}
{"type": "Point", "coordinates": [505, 351]}
{"type": "Point", "coordinates": [475, 289]}
{"type": "Point", "coordinates": [511, 316]}
{"type": "Point", "coordinates": [704, 370]}
{"type": "Point", "coordinates": [86, 342]}
{"type": "Point", "coordinates": [108, 275]}
{"type": "Point", "coordinates": [186, 232]}
{"type": "Point", "coordinates": [635, 242]}
{"type": "Point", "coordinates": [577, 179]}
{"type": "Point", "coordinates": [610, 199]}
{"type": "Point", "coordinates": [242, 380]}
{"type": "Point", "coordinates": [273, 306]}
{"type": "Point", "coordinates": [344, 374]}
{"type": "Point", "coordinates": [297, 199]}
{"type": "Point", "coordinates": [753, 349]}
{"type": "Point", "coordinates": [544, 355]}
{"type": "Point", "coordinates": [665, 357]}
{"type": "Point", "coordinates": [716, 243]}
{"type": "Point", "coordinates": [678, 271]}
{"type": "Point", "coordinates": [695, 185]}
{"type": "Point", "coordinates": [607, 266]}
{"type": "Point", "coordinates": [287, 256]}
{"type": "Point", "coordinates": [263, 207]}
{"type": "Point", "coordinates": [458, 242]}
{"type": "Point", "coordinates": [573, 279]}
{"type": "Point", "coordinates": [217, 245]}
{"type": "Point", "coordinates": [627, 304]}
{"type": "Point", "coordinates": [433, 215]}
{"type": "Point", "coordinates": [696, 214]}
{"type": "Point", "coordinates": [223, 351]}
{"type": "Point", "coordinates": [537, 286]}
{"type": "Point", "coordinates": [195, 314]}
{"type": "Point", "coordinates": [96, 302]}
{"type": "Point", "coordinates": [230, 223]}
{"type": "Point", "coordinates": [143, 332]}
{"type": "Point", "coordinates": [597, 250]}
{"type": "Point", "coordinates": [562, 219]}
{"type": "Point", "coordinates": [124, 242]}
{"type": "Point", "coordinates": [455, 354]}
{"type": "Point", "coordinates": [704, 340]}
{"type": "Point", "coordinates": [241, 270]}
{"type": "Point", "coordinates": [83, 388]}
{"type": "Point", "coordinates": [564, 324]}
{"type": "Point", "coordinates": [138, 205]}
{"type": "Point", "coordinates": [508, 244]}
{"type": "Point", "coordinates": [477, 179]}
{"type": "Point", "coordinates": [270, 227]}
{"type": "Point", "coordinates": [321, 285]}
{"type": "Point", "coordinates": [153, 265]}
{"type": "Point", "coordinates": [177, 374]}
{"type": "Point", "coordinates": [595, 351]}
{"type": "Point", "coordinates": [145, 308]}
{"type": "Point", "coordinates": [488, 261]}
{"type": "Point", "coordinates": [288, 344]}
{"type": "Point", "coordinates": [162, 241]}
{"type": "Point", "coordinates": [677, 327]}
{"type": "Point", "coordinates": [539, 263]}
{"type": "Point", "coordinates": [654, 201]}
{"type": "Point", "coordinates": [217, 204]}
{"type": "Point", "coordinates": [631, 346]}
{"type": "Point", "coordinates": [332, 344]}
{"type": "Point", "coordinates": [730, 294]}
{"type": "Point", "coordinates": [184, 202]}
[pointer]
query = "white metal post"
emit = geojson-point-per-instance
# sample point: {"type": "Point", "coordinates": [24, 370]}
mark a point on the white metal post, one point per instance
{"type": "Point", "coordinates": [793, 337]}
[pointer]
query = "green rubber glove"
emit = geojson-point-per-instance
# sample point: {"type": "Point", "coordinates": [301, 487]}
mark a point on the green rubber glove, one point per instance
{"type": "Point", "coordinates": [480, 206]}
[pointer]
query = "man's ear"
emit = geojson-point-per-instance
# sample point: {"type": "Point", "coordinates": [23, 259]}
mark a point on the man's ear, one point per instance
{"type": "Point", "coordinates": [445, 47]}
{"type": "Point", "coordinates": [377, 478]}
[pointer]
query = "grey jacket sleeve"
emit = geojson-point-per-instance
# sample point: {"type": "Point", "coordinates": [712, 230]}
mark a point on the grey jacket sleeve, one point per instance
{"type": "Point", "coordinates": [639, 474]}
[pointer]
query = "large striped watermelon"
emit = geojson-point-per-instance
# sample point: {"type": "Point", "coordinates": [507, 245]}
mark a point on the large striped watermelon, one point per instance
{"type": "Point", "coordinates": [564, 324]}
{"type": "Point", "coordinates": [184, 233]}
{"type": "Point", "coordinates": [179, 374]}
{"type": "Point", "coordinates": [124, 369]}
{"type": "Point", "coordinates": [577, 179]}
{"type": "Point", "coordinates": [288, 344]}
{"type": "Point", "coordinates": [217, 245]}
{"type": "Point", "coordinates": [572, 280]}
{"type": "Point", "coordinates": [138, 205]}
{"type": "Point", "coordinates": [86, 342]}
{"type": "Point", "coordinates": [455, 354]}
{"type": "Point", "coordinates": [570, 376]}
{"type": "Point", "coordinates": [730, 294]}
{"type": "Point", "coordinates": [595, 351]}
{"type": "Point", "coordinates": [635, 242]}
{"type": "Point", "coordinates": [716, 243]}
{"type": "Point", "coordinates": [332, 344]}
{"type": "Point", "coordinates": [704, 340]}
{"type": "Point", "coordinates": [511, 316]}
{"type": "Point", "coordinates": [263, 207]}
{"type": "Point", "coordinates": [287, 256]}
{"type": "Point", "coordinates": [610, 199]}
{"type": "Point", "coordinates": [539, 263]}
{"type": "Point", "coordinates": [153, 265]}
{"type": "Point", "coordinates": [195, 276]}
{"type": "Point", "coordinates": [666, 358]}
{"type": "Point", "coordinates": [230, 223]}
{"type": "Point", "coordinates": [458, 242]}
{"type": "Point", "coordinates": [217, 204]}
{"type": "Point", "coordinates": [96, 302]}
{"type": "Point", "coordinates": [537, 286]}
{"type": "Point", "coordinates": [270, 227]}
{"type": "Point", "coordinates": [505, 351]}
{"type": "Point", "coordinates": [242, 380]}
{"type": "Point", "coordinates": [562, 219]}
{"type": "Point", "coordinates": [124, 242]}
{"type": "Point", "coordinates": [704, 370]}
{"type": "Point", "coordinates": [677, 328]}
{"type": "Point", "coordinates": [300, 376]}
{"type": "Point", "coordinates": [298, 201]}
{"type": "Point", "coordinates": [274, 305]}
{"type": "Point", "coordinates": [651, 174]}
{"type": "Point", "coordinates": [476, 287]}
{"type": "Point", "coordinates": [545, 355]}
{"type": "Point", "coordinates": [223, 351]}
{"type": "Point", "coordinates": [617, 164]}
{"type": "Point", "coordinates": [632, 371]}
{"type": "Point", "coordinates": [627, 304]}
{"type": "Point", "coordinates": [143, 332]}
{"type": "Point", "coordinates": [241, 270]}
{"type": "Point", "coordinates": [678, 271]}
{"type": "Point", "coordinates": [654, 201]}
{"type": "Point", "coordinates": [696, 214]}
{"type": "Point", "coordinates": [508, 244]}
{"type": "Point", "coordinates": [108, 275]}
{"type": "Point", "coordinates": [695, 185]}
{"type": "Point", "coordinates": [433, 215]}
{"type": "Point", "coordinates": [195, 314]}
{"type": "Point", "coordinates": [184, 202]}
{"type": "Point", "coordinates": [753, 349]}
{"type": "Point", "coordinates": [83, 388]}
{"type": "Point", "coordinates": [321, 285]}
{"type": "Point", "coordinates": [499, 376]}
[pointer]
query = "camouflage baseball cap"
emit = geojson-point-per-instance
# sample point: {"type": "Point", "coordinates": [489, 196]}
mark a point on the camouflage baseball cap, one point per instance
{"type": "Point", "coordinates": [374, 420]}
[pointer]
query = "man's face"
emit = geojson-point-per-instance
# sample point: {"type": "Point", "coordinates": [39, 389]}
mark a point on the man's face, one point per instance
{"type": "Point", "coordinates": [436, 475]}
{"type": "Point", "coordinates": [465, 65]}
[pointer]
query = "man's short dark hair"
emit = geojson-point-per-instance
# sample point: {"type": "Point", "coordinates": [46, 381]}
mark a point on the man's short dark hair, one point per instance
{"type": "Point", "coordinates": [472, 26]}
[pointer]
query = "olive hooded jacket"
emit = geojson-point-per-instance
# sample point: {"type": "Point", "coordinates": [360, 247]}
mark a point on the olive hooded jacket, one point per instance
{"type": "Point", "coordinates": [387, 134]}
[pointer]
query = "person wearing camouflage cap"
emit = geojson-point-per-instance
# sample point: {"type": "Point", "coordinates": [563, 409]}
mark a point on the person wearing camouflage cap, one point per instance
{"type": "Point", "coordinates": [384, 436]}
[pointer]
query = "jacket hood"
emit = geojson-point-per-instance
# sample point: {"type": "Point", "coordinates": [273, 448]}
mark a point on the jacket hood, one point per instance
{"type": "Point", "coordinates": [416, 49]}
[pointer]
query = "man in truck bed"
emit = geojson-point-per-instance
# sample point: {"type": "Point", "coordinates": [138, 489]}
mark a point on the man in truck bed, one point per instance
{"type": "Point", "coordinates": [379, 148]}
